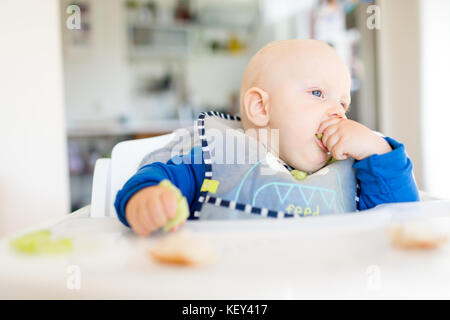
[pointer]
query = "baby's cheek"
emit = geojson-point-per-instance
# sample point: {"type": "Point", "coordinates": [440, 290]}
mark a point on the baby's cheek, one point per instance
{"type": "Point", "coordinates": [285, 151]}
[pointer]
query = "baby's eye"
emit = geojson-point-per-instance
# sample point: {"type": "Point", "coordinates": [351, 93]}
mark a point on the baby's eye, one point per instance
{"type": "Point", "coordinates": [317, 93]}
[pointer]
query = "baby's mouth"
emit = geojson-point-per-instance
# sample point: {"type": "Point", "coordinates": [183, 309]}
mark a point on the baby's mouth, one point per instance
{"type": "Point", "coordinates": [320, 143]}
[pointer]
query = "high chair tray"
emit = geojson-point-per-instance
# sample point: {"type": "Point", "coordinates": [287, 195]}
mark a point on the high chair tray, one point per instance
{"type": "Point", "coordinates": [341, 256]}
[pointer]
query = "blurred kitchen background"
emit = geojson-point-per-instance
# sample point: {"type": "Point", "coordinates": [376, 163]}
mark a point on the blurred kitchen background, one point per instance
{"type": "Point", "coordinates": [142, 68]}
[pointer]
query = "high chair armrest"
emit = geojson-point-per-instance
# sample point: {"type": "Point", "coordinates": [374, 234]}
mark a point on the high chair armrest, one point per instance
{"type": "Point", "coordinates": [100, 188]}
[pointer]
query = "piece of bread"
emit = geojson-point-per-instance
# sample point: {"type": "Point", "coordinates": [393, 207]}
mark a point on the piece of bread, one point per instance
{"type": "Point", "coordinates": [183, 248]}
{"type": "Point", "coordinates": [415, 235]}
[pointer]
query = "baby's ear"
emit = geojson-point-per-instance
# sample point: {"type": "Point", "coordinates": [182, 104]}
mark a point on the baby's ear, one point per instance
{"type": "Point", "coordinates": [256, 105]}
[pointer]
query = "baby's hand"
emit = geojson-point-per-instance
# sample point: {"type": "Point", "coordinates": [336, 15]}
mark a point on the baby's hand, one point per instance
{"type": "Point", "coordinates": [345, 137]}
{"type": "Point", "coordinates": [150, 209]}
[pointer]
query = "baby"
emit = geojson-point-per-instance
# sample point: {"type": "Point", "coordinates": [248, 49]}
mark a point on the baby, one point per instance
{"type": "Point", "coordinates": [301, 90]}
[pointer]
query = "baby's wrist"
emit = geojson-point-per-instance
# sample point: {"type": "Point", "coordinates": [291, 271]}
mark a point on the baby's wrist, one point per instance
{"type": "Point", "coordinates": [381, 146]}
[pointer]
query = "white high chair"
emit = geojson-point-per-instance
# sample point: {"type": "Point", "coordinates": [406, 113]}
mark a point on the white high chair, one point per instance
{"type": "Point", "coordinates": [111, 174]}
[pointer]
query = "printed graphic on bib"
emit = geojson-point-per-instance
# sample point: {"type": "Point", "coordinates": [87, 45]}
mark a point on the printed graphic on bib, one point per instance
{"type": "Point", "coordinates": [315, 195]}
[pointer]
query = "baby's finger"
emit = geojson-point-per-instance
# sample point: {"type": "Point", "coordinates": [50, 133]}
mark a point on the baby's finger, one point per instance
{"type": "Point", "coordinates": [136, 224]}
{"type": "Point", "coordinates": [329, 131]}
{"type": "Point", "coordinates": [169, 203]}
{"type": "Point", "coordinates": [331, 140]}
{"type": "Point", "coordinates": [338, 151]}
{"type": "Point", "coordinates": [157, 212]}
{"type": "Point", "coordinates": [328, 123]}
{"type": "Point", "coordinates": [144, 218]}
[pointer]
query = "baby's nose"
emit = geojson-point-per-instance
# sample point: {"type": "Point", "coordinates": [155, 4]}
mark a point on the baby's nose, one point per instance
{"type": "Point", "coordinates": [336, 111]}
{"type": "Point", "coordinates": [338, 115]}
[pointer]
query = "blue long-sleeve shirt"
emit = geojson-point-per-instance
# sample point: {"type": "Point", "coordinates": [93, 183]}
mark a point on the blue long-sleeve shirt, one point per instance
{"type": "Point", "coordinates": [382, 178]}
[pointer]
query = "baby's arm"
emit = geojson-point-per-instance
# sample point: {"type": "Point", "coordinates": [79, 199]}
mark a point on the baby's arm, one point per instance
{"type": "Point", "coordinates": [144, 205]}
{"type": "Point", "coordinates": [386, 178]}
{"type": "Point", "coordinates": [383, 168]}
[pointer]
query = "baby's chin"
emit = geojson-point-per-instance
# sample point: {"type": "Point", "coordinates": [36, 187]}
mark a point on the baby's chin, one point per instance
{"type": "Point", "coordinates": [308, 164]}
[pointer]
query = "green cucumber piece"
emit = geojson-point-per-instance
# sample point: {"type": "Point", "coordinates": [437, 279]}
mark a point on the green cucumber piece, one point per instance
{"type": "Point", "coordinates": [182, 212]}
{"type": "Point", "coordinates": [38, 242]}
{"type": "Point", "coordinates": [299, 175]}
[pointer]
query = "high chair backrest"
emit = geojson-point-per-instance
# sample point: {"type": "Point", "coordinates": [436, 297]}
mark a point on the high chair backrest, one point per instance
{"type": "Point", "coordinates": [111, 174]}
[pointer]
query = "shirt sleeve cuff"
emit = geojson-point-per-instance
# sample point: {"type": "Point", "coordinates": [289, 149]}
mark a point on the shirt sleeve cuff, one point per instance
{"type": "Point", "coordinates": [383, 173]}
{"type": "Point", "coordinates": [122, 199]}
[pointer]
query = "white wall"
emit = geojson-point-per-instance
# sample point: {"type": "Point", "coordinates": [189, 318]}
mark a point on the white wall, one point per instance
{"type": "Point", "coordinates": [33, 164]}
{"type": "Point", "coordinates": [211, 78]}
{"type": "Point", "coordinates": [435, 51]}
{"type": "Point", "coordinates": [97, 75]}
{"type": "Point", "coordinates": [398, 44]}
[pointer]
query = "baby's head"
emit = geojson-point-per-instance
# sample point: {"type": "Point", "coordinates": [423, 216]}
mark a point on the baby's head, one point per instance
{"type": "Point", "coordinates": [293, 86]}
